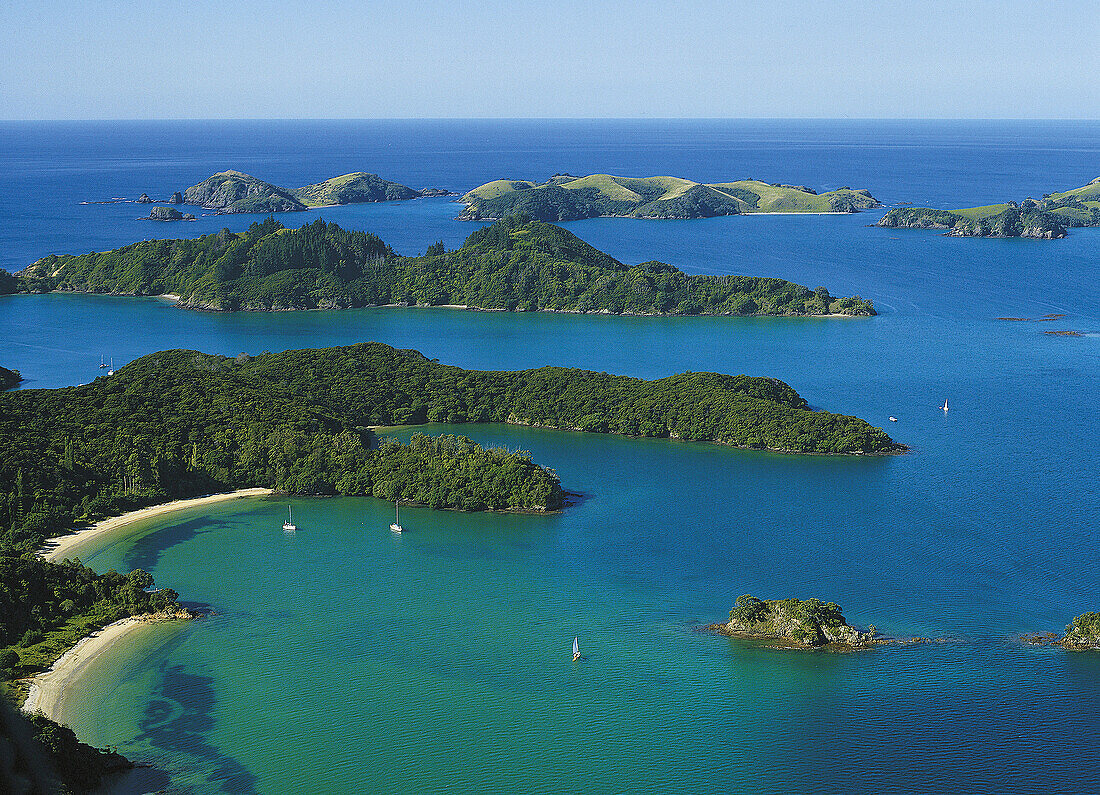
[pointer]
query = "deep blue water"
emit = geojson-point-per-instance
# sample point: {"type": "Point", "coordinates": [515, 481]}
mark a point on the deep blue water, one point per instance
{"type": "Point", "coordinates": [989, 528]}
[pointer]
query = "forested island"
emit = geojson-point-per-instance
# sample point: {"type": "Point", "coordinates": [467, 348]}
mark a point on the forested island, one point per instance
{"type": "Point", "coordinates": [1045, 218]}
{"type": "Point", "coordinates": [181, 423]}
{"type": "Point", "coordinates": [515, 264]}
{"type": "Point", "coordinates": [796, 623]}
{"type": "Point", "coordinates": [237, 192]}
{"type": "Point", "coordinates": [568, 198]}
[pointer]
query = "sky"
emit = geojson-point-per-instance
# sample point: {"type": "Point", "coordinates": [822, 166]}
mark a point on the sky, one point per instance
{"type": "Point", "coordinates": [175, 59]}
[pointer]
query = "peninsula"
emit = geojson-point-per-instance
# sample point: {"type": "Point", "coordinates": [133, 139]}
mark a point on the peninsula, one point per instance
{"type": "Point", "coordinates": [181, 424]}
{"type": "Point", "coordinates": [515, 264]}
{"type": "Point", "coordinates": [237, 192]}
{"type": "Point", "coordinates": [793, 623]}
{"type": "Point", "coordinates": [568, 198]}
{"type": "Point", "coordinates": [1046, 218]}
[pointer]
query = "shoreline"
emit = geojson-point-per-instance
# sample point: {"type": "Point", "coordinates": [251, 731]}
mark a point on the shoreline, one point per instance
{"type": "Point", "coordinates": [56, 549]}
{"type": "Point", "coordinates": [47, 689]}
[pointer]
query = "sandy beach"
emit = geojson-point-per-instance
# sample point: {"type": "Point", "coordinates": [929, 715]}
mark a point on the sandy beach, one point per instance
{"type": "Point", "coordinates": [48, 689]}
{"type": "Point", "coordinates": [56, 549]}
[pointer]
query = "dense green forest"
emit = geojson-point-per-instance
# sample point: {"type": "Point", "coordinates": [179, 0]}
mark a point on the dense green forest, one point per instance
{"type": "Point", "coordinates": [515, 264]}
{"type": "Point", "coordinates": [181, 423]}
{"type": "Point", "coordinates": [565, 197]}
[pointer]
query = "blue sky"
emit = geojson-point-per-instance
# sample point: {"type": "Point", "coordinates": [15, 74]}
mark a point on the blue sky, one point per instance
{"type": "Point", "coordinates": [327, 59]}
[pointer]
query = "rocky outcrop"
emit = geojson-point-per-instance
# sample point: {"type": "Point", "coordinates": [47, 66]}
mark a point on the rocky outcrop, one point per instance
{"type": "Point", "coordinates": [144, 199]}
{"type": "Point", "coordinates": [168, 214]}
{"type": "Point", "coordinates": [237, 192]}
{"type": "Point", "coordinates": [1084, 633]}
{"type": "Point", "coordinates": [794, 623]}
{"type": "Point", "coordinates": [428, 193]}
{"type": "Point", "coordinates": [177, 198]}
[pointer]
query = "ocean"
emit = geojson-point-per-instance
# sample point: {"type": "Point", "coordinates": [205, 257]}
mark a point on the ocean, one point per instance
{"type": "Point", "coordinates": [343, 659]}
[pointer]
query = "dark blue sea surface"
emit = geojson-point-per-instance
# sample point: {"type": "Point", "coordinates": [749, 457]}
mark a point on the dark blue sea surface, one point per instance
{"type": "Point", "coordinates": [343, 660]}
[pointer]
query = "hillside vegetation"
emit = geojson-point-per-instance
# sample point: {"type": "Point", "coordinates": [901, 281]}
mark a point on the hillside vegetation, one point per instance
{"type": "Point", "coordinates": [1045, 218]}
{"type": "Point", "coordinates": [237, 192]}
{"type": "Point", "coordinates": [181, 423]}
{"type": "Point", "coordinates": [514, 264]}
{"type": "Point", "coordinates": [567, 198]}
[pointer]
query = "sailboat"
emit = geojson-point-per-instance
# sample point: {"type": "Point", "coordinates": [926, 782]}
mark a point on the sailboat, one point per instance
{"type": "Point", "coordinates": [945, 404]}
{"type": "Point", "coordinates": [112, 370]}
{"type": "Point", "coordinates": [576, 650]}
{"type": "Point", "coordinates": [102, 364]}
{"type": "Point", "coordinates": [288, 525]}
{"type": "Point", "coordinates": [396, 526]}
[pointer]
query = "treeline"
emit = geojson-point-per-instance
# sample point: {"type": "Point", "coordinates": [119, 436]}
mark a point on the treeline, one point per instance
{"type": "Point", "coordinates": [38, 597]}
{"type": "Point", "coordinates": [181, 423]}
{"type": "Point", "coordinates": [515, 264]}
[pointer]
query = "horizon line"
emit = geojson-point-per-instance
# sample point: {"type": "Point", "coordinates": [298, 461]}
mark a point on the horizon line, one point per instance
{"type": "Point", "coordinates": [561, 118]}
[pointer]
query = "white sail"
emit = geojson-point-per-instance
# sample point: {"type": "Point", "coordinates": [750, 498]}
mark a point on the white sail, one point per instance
{"type": "Point", "coordinates": [945, 404]}
{"type": "Point", "coordinates": [576, 648]}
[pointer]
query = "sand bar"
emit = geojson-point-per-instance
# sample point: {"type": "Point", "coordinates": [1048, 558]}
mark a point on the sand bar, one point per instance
{"type": "Point", "coordinates": [48, 689]}
{"type": "Point", "coordinates": [57, 549]}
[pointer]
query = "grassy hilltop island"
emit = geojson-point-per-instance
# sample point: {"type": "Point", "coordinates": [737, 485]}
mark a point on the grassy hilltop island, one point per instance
{"type": "Point", "coordinates": [793, 623]}
{"type": "Point", "coordinates": [567, 198]}
{"type": "Point", "coordinates": [237, 192]}
{"type": "Point", "coordinates": [514, 264]}
{"type": "Point", "coordinates": [1046, 218]}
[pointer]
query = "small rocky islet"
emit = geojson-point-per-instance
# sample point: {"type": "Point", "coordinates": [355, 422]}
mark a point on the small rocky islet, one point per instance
{"type": "Point", "coordinates": [794, 624]}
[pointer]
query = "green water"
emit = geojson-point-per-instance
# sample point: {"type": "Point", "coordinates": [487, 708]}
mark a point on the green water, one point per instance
{"type": "Point", "coordinates": [343, 658]}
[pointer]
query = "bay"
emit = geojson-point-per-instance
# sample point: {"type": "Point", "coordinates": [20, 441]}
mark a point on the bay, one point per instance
{"type": "Point", "coordinates": [342, 658]}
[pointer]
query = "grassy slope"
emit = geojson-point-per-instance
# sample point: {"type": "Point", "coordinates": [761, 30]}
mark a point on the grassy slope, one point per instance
{"type": "Point", "coordinates": [647, 189]}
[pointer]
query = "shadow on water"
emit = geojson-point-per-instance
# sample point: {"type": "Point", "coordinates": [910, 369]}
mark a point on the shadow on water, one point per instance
{"type": "Point", "coordinates": [147, 550]}
{"type": "Point", "coordinates": [177, 721]}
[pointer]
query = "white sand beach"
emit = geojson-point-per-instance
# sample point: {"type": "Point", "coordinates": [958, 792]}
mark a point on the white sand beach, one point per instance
{"type": "Point", "coordinates": [56, 549]}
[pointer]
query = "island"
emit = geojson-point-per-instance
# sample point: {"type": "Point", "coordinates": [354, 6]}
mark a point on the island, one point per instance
{"type": "Point", "coordinates": [568, 198]}
{"type": "Point", "coordinates": [237, 192]}
{"type": "Point", "coordinates": [167, 214]}
{"type": "Point", "coordinates": [9, 378]}
{"type": "Point", "coordinates": [793, 623]}
{"type": "Point", "coordinates": [1083, 633]}
{"type": "Point", "coordinates": [515, 264]}
{"type": "Point", "coordinates": [1047, 218]}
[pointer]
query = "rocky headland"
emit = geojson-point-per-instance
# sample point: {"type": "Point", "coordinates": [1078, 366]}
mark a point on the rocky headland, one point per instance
{"type": "Point", "coordinates": [167, 214]}
{"type": "Point", "coordinates": [1047, 218]}
{"type": "Point", "coordinates": [1083, 634]}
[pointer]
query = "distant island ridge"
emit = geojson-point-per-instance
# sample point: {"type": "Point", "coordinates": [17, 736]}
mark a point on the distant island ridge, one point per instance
{"type": "Point", "coordinates": [1046, 218]}
{"type": "Point", "coordinates": [565, 197]}
{"type": "Point", "coordinates": [512, 265]}
{"type": "Point", "coordinates": [236, 192]}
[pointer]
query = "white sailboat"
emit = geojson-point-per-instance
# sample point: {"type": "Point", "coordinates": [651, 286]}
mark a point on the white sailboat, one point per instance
{"type": "Point", "coordinates": [102, 364]}
{"type": "Point", "coordinates": [576, 650]}
{"type": "Point", "coordinates": [288, 525]}
{"type": "Point", "coordinates": [396, 526]}
{"type": "Point", "coordinates": [112, 370]}
{"type": "Point", "coordinates": [945, 404]}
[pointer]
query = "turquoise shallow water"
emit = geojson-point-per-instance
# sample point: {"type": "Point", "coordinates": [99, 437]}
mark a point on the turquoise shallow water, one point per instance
{"type": "Point", "coordinates": [342, 658]}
